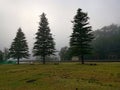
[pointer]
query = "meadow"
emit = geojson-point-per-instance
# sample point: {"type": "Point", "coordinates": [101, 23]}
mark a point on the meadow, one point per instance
{"type": "Point", "coordinates": [65, 76]}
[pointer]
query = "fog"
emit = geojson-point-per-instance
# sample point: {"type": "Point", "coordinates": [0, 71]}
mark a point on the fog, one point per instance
{"type": "Point", "coordinates": [60, 13]}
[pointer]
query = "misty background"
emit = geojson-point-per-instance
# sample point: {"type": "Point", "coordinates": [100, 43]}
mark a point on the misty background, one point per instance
{"type": "Point", "coordinates": [60, 13]}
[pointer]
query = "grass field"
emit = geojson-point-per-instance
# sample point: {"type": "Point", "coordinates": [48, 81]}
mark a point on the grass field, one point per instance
{"type": "Point", "coordinates": [65, 76]}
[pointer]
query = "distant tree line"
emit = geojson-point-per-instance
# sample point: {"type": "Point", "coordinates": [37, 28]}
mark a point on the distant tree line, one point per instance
{"type": "Point", "coordinates": [106, 45]}
{"type": "Point", "coordinates": [4, 55]}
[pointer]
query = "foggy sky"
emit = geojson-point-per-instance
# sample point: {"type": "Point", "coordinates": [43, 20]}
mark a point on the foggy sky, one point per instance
{"type": "Point", "coordinates": [60, 13]}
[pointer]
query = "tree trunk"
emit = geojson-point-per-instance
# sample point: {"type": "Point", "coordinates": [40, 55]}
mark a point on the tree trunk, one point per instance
{"type": "Point", "coordinates": [82, 59]}
{"type": "Point", "coordinates": [18, 61]}
{"type": "Point", "coordinates": [43, 59]}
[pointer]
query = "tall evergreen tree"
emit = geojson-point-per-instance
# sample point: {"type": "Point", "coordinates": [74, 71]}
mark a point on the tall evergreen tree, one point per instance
{"type": "Point", "coordinates": [19, 47]}
{"type": "Point", "coordinates": [81, 37]}
{"type": "Point", "coordinates": [44, 45]}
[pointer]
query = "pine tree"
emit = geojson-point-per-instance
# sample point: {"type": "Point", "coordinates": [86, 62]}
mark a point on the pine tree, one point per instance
{"type": "Point", "coordinates": [44, 45]}
{"type": "Point", "coordinates": [19, 47]}
{"type": "Point", "coordinates": [81, 37]}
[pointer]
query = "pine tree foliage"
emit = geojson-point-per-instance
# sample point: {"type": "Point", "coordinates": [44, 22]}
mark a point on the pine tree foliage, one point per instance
{"type": "Point", "coordinates": [81, 37]}
{"type": "Point", "coordinates": [44, 45]}
{"type": "Point", "coordinates": [19, 47]}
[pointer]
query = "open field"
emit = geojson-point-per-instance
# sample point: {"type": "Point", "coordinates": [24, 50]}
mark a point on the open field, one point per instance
{"type": "Point", "coordinates": [65, 76]}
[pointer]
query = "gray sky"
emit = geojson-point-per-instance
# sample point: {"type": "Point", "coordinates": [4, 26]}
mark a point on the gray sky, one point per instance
{"type": "Point", "coordinates": [60, 13]}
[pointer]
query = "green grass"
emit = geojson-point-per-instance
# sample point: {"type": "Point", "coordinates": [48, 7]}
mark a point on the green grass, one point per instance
{"type": "Point", "coordinates": [65, 76]}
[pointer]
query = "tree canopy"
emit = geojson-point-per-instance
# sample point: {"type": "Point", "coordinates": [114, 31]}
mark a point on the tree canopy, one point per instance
{"type": "Point", "coordinates": [81, 37]}
{"type": "Point", "coordinates": [44, 45]}
{"type": "Point", "coordinates": [19, 47]}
